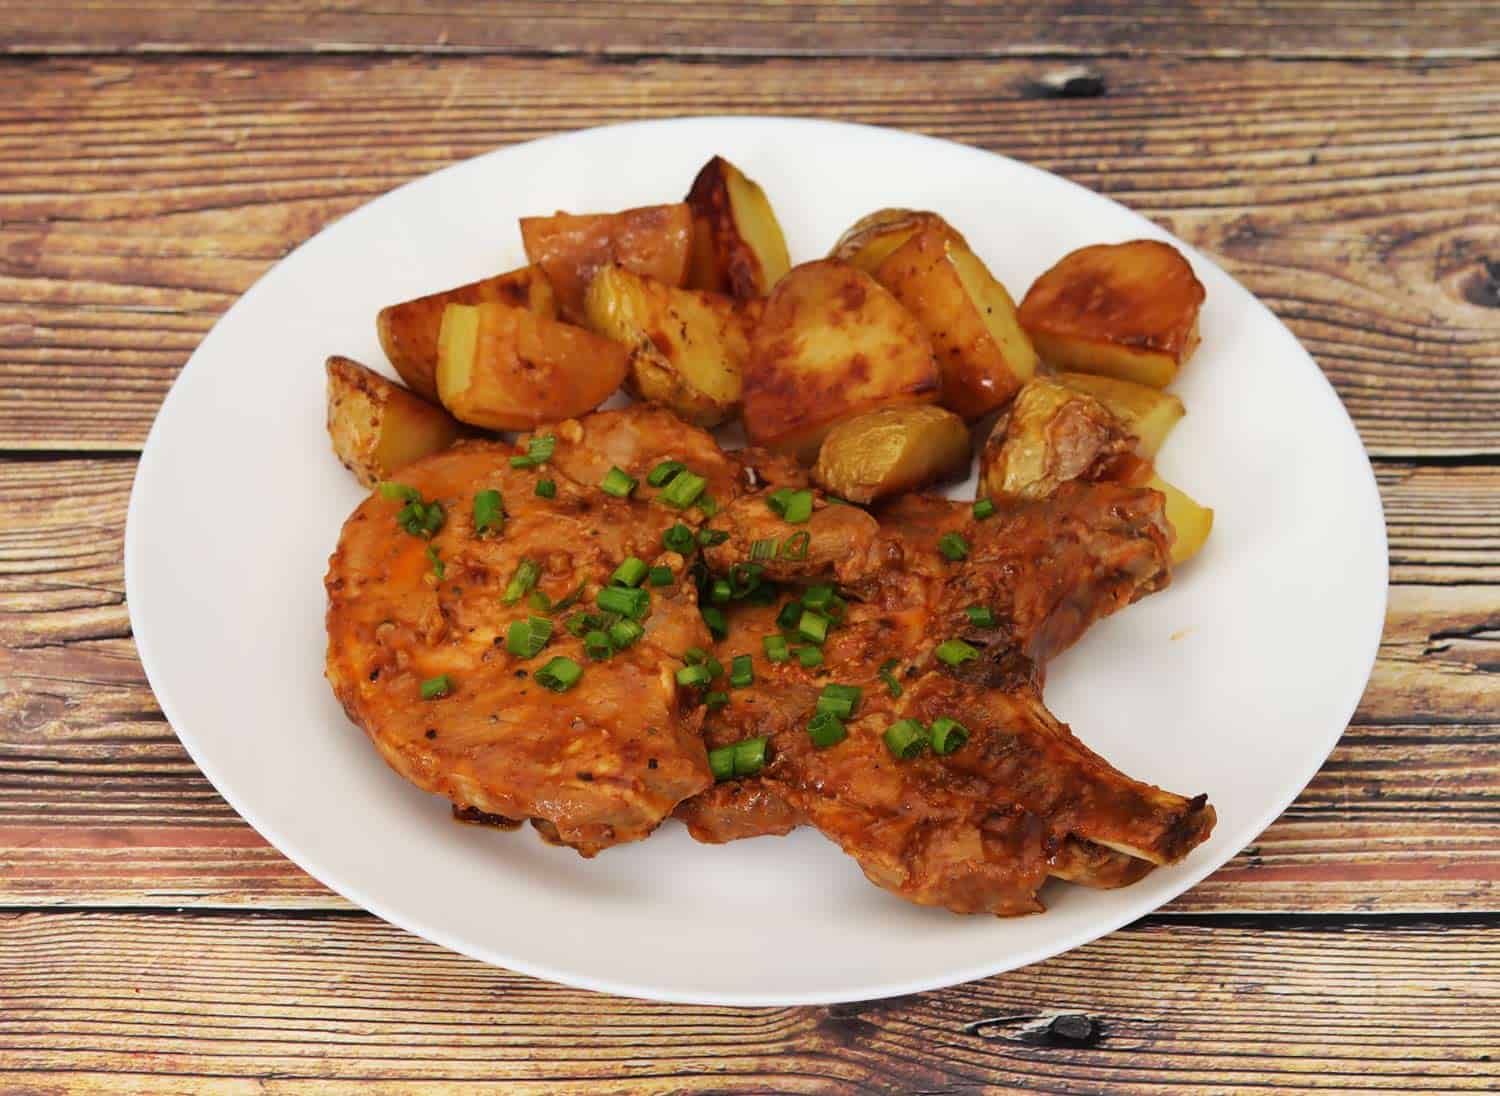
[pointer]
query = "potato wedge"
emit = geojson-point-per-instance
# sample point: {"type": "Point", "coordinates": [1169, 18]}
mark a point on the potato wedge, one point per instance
{"type": "Point", "coordinates": [1191, 523]}
{"type": "Point", "coordinates": [1148, 413]}
{"type": "Point", "coordinates": [738, 247]}
{"type": "Point", "coordinates": [1049, 435]}
{"type": "Point", "coordinates": [507, 368]}
{"type": "Point", "coordinates": [409, 331]}
{"type": "Point", "coordinates": [378, 427]}
{"type": "Point", "coordinates": [981, 350]}
{"type": "Point", "coordinates": [892, 450]}
{"type": "Point", "coordinates": [687, 349]}
{"type": "Point", "coordinates": [832, 343]}
{"type": "Point", "coordinates": [1120, 310]}
{"type": "Point", "coordinates": [869, 241]}
{"type": "Point", "coordinates": [656, 241]}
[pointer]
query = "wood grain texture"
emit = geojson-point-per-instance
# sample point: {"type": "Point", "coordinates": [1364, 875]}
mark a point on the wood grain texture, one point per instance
{"type": "Point", "coordinates": [173, 1004]}
{"type": "Point", "coordinates": [1360, 201]}
{"type": "Point", "coordinates": [862, 28]}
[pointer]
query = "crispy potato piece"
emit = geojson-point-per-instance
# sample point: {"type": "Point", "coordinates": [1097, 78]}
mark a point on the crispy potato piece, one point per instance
{"type": "Point", "coordinates": [984, 355]}
{"type": "Point", "coordinates": [409, 331]}
{"type": "Point", "coordinates": [507, 368]}
{"type": "Point", "coordinates": [1049, 435]}
{"type": "Point", "coordinates": [377, 426]}
{"type": "Point", "coordinates": [656, 241]}
{"type": "Point", "coordinates": [1191, 522]}
{"type": "Point", "coordinates": [1148, 413]}
{"type": "Point", "coordinates": [687, 349]}
{"type": "Point", "coordinates": [1121, 310]}
{"type": "Point", "coordinates": [832, 343]}
{"type": "Point", "coordinates": [892, 450]}
{"type": "Point", "coordinates": [738, 247]}
{"type": "Point", "coordinates": [869, 241]}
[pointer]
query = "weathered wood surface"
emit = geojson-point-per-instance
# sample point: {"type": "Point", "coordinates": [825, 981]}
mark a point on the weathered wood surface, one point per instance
{"type": "Point", "coordinates": [1218, 28]}
{"type": "Point", "coordinates": [179, 1004]}
{"type": "Point", "coordinates": [1360, 201]}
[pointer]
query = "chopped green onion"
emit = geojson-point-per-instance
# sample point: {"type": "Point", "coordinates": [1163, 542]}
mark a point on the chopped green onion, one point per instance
{"type": "Point", "coordinates": [521, 583]}
{"type": "Point", "coordinates": [813, 627]}
{"type": "Point", "coordinates": [981, 616]}
{"type": "Point", "coordinates": [538, 451]}
{"type": "Point", "coordinates": [571, 600]}
{"type": "Point", "coordinates": [679, 538]}
{"type": "Point", "coordinates": [764, 593]}
{"type": "Point", "coordinates": [435, 687]}
{"type": "Point", "coordinates": [663, 473]}
{"type": "Point", "coordinates": [684, 490]}
{"type": "Point", "coordinates": [540, 602]}
{"type": "Point", "coordinates": [809, 657]}
{"type": "Point", "coordinates": [618, 484]}
{"type": "Point", "coordinates": [559, 675]}
{"type": "Point", "coordinates": [526, 638]}
{"type": "Point", "coordinates": [954, 651]}
{"type": "Point", "coordinates": [624, 633]}
{"type": "Point", "coordinates": [798, 508]}
{"type": "Point", "coordinates": [627, 601]}
{"type": "Point", "coordinates": [579, 623]}
{"type": "Point", "coordinates": [778, 499]}
{"type": "Point", "coordinates": [660, 576]}
{"type": "Point", "coordinates": [739, 759]}
{"type": "Point", "coordinates": [707, 506]}
{"type": "Point", "coordinates": [790, 613]}
{"type": "Point", "coordinates": [718, 627]}
{"type": "Point", "coordinates": [983, 508]}
{"type": "Point", "coordinates": [715, 667]}
{"type": "Point", "coordinates": [695, 656]}
{"type": "Point", "coordinates": [692, 677]}
{"type": "Point", "coordinates": [716, 699]}
{"type": "Point", "coordinates": [744, 578]}
{"type": "Point", "coordinates": [710, 537]}
{"type": "Point", "coordinates": [630, 573]}
{"type": "Point", "coordinates": [826, 729]}
{"type": "Point", "coordinates": [837, 607]}
{"type": "Point", "coordinates": [597, 645]}
{"type": "Point", "coordinates": [489, 512]}
{"type": "Point", "coordinates": [719, 591]}
{"type": "Point", "coordinates": [398, 492]}
{"type": "Point", "coordinates": [818, 597]}
{"type": "Point", "coordinates": [765, 548]}
{"type": "Point", "coordinates": [953, 546]}
{"type": "Point", "coordinates": [546, 489]}
{"type": "Point", "coordinates": [795, 546]}
{"type": "Point", "coordinates": [840, 700]}
{"type": "Point", "coordinates": [721, 762]}
{"type": "Point", "coordinates": [905, 738]}
{"type": "Point", "coordinates": [741, 671]}
{"type": "Point", "coordinates": [948, 735]}
{"type": "Point", "coordinates": [775, 648]}
{"type": "Point", "coordinates": [438, 568]}
{"type": "Point", "coordinates": [435, 518]}
{"type": "Point", "coordinates": [889, 678]}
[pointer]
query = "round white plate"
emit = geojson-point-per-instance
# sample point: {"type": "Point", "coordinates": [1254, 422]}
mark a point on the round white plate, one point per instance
{"type": "Point", "coordinates": [1236, 681]}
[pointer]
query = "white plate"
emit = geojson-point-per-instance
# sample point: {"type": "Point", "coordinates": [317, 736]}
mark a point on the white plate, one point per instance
{"type": "Point", "coordinates": [1236, 681]}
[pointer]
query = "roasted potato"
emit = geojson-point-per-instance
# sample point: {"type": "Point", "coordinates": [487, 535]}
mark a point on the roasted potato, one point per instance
{"type": "Point", "coordinates": [377, 426]}
{"type": "Point", "coordinates": [738, 247]}
{"type": "Point", "coordinates": [1191, 523]}
{"type": "Point", "coordinates": [409, 330]}
{"type": "Point", "coordinates": [892, 450]}
{"type": "Point", "coordinates": [981, 350]}
{"type": "Point", "coordinates": [656, 241]}
{"type": "Point", "coordinates": [831, 344]}
{"type": "Point", "coordinates": [1120, 310]}
{"type": "Point", "coordinates": [1148, 413]}
{"type": "Point", "coordinates": [507, 368]}
{"type": "Point", "coordinates": [1049, 435]}
{"type": "Point", "coordinates": [871, 239]}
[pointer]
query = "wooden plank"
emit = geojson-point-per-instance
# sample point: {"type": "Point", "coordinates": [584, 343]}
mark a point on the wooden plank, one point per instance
{"type": "Point", "coordinates": [173, 1004]}
{"type": "Point", "coordinates": [142, 197]}
{"type": "Point", "coordinates": [1222, 28]}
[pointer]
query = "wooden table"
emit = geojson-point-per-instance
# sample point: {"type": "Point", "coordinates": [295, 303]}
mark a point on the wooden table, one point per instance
{"type": "Point", "coordinates": [1342, 160]}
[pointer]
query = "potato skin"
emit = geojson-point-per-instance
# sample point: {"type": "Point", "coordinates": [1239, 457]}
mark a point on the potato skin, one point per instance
{"type": "Point", "coordinates": [830, 344]}
{"type": "Point", "coordinates": [738, 245]}
{"type": "Point", "coordinates": [981, 350]}
{"type": "Point", "coordinates": [892, 450]}
{"type": "Point", "coordinates": [409, 331]}
{"type": "Point", "coordinates": [376, 426]}
{"type": "Point", "coordinates": [656, 241]}
{"type": "Point", "coordinates": [1049, 435]}
{"type": "Point", "coordinates": [687, 349]}
{"type": "Point", "coordinates": [1148, 413]}
{"type": "Point", "coordinates": [1120, 310]}
{"type": "Point", "coordinates": [869, 241]}
{"type": "Point", "coordinates": [525, 369]}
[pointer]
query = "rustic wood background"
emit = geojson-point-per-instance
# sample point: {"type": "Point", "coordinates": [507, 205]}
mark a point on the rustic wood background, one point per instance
{"type": "Point", "coordinates": [1342, 159]}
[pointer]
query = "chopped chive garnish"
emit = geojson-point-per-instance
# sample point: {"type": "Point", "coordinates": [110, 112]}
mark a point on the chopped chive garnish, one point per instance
{"type": "Point", "coordinates": [438, 568]}
{"type": "Point", "coordinates": [436, 687]}
{"type": "Point", "coordinates": [953, 546]}
{"type": "Point", "coordinates": [546, 489]}
{"type": "Point", "coordinates": [559, 675]}
{"type": "Point", "coordinates": [798, 508]}
{"type": "Point", "coordinates": [693, 677]}
{"type": "Point", "coordinates": [579, 623]}
{"type": "Point", "coordinates": [695, 656]}
{"type": "Point", "coordinates": [710, 537]}
{"type": "Point", "coordinates": [741, 671]}
{"type": "Point", "coordinates": [790, 613]}
{"type": "Point", "coordinates": [719, 591]}
{"type": "Point", "coordinates": [624, 633]}
{"type": "Point", "coordinates": [775, 648]}
{"type": "Point", "coordinates": [826, 729]}
{"type": "Point", "coordinates": [627, 601]}
{"type": "Point", "coordinates": [905, 738]}
{"type": "Point", "coordinates": [840, 700]}
{"type": "Point", "coordinates": [521, 583]}
{"type": "Point", "coordinates": [818, 597]}
{"type": "Point", "coordinates": [664, 472]}
{"type": "Point", "coordinates": [983, 508]}
{"type": "Point", "coordinates": [795, 546]}
{"type": "Point", "coordinates": [764, 548]}
{"type": "Point", "coordinates": [715, 667]}
{"type": "Point", "coordinates": [813, 627]}
{"type": "Point", "coordinates": [891, 684]}
{"type": "Point", "coordinates": [721, 762]}
{"type": "Point", "coordinates": [489, 512]}
{"type": "Point", "coordinates": [539, 601]}
{"type": "Point", "coordinates": [981, 616]}
{"type": "Point", "coordinates": [660, 576]}
{"type": "Point", "coordinates": [434, 519]}
{"type": "Point", "coordinates": [421, 519]}
{"type": "Point", "coordinates": [743, 578]}
{"type": "Point", "coordinates": [538, 451]}
{"type": "Point", "coordinates": [716, 699]}
{"type": "Point", "coordinates": [707, 506]}
{"type": "Point", "coordinates": [596, 645]}
{"type": "Point", "coordinates": [954, 651]}
{"type": "Point", "coordinates": [809, 657]}
{"type": "Point", "coordinates": [571, 600]}
{"type": "Point", "coordinates": [632, 572]}
{"type": "Point", "coordinates": [526, 638]}
{"type": "Point", "coordinates": [684, 489]}
{"type": "Point", "coordinates": [778, 499]}
{"type": "Point", "coordinates": [749, 756]}
{"type": "Point", "coordinates": [764, 593]}
{"type": "Point", "coordinates": [948, 735]}
{"type": "Point", "coordinates": [679, 538]}
{"type": "Point", "coordinates": [718, 627]}
{"type": "Point", "coordinates": [618, 483]}
{"type": "Point", "coordinates": [398, 492]}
